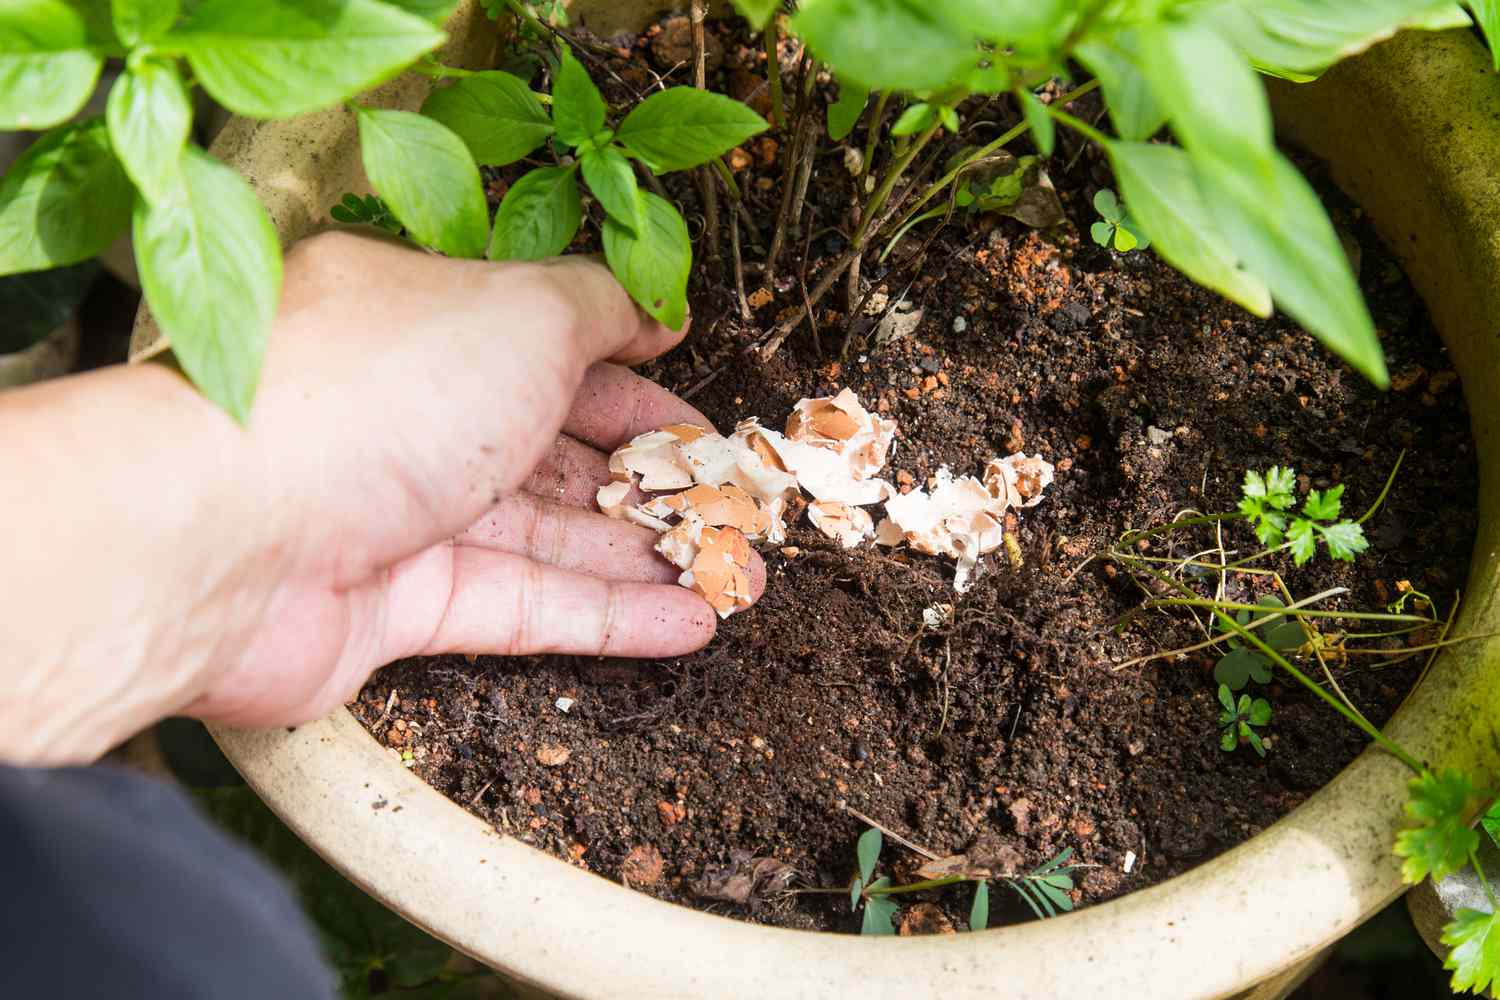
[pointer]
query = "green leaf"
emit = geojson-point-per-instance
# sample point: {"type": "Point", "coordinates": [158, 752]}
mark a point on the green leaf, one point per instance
{"type": "Point", "coordinates": [1213, 98]}
{"type": "Point", "coordinates": [887, 44]}
{"type": "Point", "coordinates": [210, 241]}
{"type": "Point", "coordinates": [682, 127]}
{"type": "Point", "coordinates": [1295, 38]}
{"type": "Point", "coordinates": [1107, 205]}
{"type": "Point", "coordinates": [1253, 738]}
{"type": "Point", "coordinates": [1302, 541]}
{"type": "Point", "coordinates": [878, 913]}
{"type": "Point", "coordinates": [1102, 232]}
{"type": "Point", "coordinates": [1237, 667]}
{"type": "Point", "coordinates": [1260, 712]}
{"type": "Point", "coordinates": [435, 11]}
{"type": "Point", "coordinates": [1487, 14]}
{"type": "Point", "coordinates": [612, 180]}
{"type": "Point", "coordinates": [1158, 184]}
{"type": "Point", "coordinates": [1278, 226]}
{"type": "Point", "coordinates": [844, 113]}
{"type": "Point", "coordinates": [1282, 637]}
{"type": "Point", "coordinates": [1043, 129]}
{"type": "Point", "coordinates": [137, 21]}
{"type": "Point", "coordinates": [278, 58]}
{"type": "Point", "coordinates": [1125, 240]}
{"type": "Point", "coordinates": [1133, 107]}
{"type": "Point", "coordinates": [1229, 740]}
{"type": "Point", "coordinates": [867, 850]}
{"type": "Point", "coordinates": [1057, 897]}
{"type": "Point", "coordinates": [63, 201]}
{"type": "Point", "coordinates": [1323, 505]}
{"type": "Point", "coordinates": [1491, 822]}
{"type": "Point", "coordinates": [150, 116]}
{"type": "Point", "coordinates": [539, 217]}
{"type": "Point", "coordinates": [1281, 484]}
{"type": "Point", "coordinates": [577, 106]}
{"type": "Point", "coordinates": [949, 117]}
{"type": "Point", "coordinates": [757, 12]}
{"type": "Point", "coordinates": [1025, 893]}
{"type": "Point", "coordinates": [1474, 937]}
{"type": "Point", "coordinates": [654, 263]}
{"type": "Point", "coordinates": [1226, 699]}
{"type": "Point", "coordinates": [1345, 540]}
{"type": "Point", "coordinates": [914, 119]}
{"type": "Point", "coordinates": [1027, 27]}
{"type": "Point", "coordinates": [425, 174]}
{"type": "Point", "coordinates": [1142, 241]}
{"type": "Point", "coordinates": [47, 67]}
{"type": "Point", "coordinates": [1441, 842]}
{"type": "Point", "coordinates": [979, 912]}
{"type": "Point", "coordinates": [855, 888]}
{"type": "Point", "coordinates": [494, 113]}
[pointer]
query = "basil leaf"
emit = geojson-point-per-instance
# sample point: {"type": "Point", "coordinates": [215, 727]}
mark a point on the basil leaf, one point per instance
{"type": "Point", "coordinates": [577, 106]}
{"type": "Point", "coordinates": [427, 177]}
{"type": "Point", "coordinates": [47, 70]}
{"type": "Point", "coordinates": [653, 264]}
{"type": "Point", "coordinates": [612, 180]}
{"type": "Point", "coordinates": [844, 113]}
{"type": "Point", "coordinates": [757, 12]}
{"type": "Point", "coordinates": [150, 116]}
{"type": "Point", "coordinates": [278, 58]}
{"type": "Point", "coordinates": [914, 119]}
{"type": "Point", "coordinates": [1211, 95]}
{"type": "Point", "coordinates": [1133, 108]}
{"type": "Point", "coordinates": [1279, 228]}
{"type": "Point", "coordinates": [63, 201]}
{"type": "Point", "coordinates": [1487, 14]}
{"type": "Point", "coordinates": [1294, 38]}
{"type": "Point", "coordinates": [682, 127]}
{"type": "Point", "coordinates": [887, 44]}
{"type": "Point", "coordinates": [436, 11]}
{"type": "Point", "coordinates": [139, 21]}
{"type": "Point", "coordinates": [1158, 184]}
{"type": "Point", "coordinates": [539, 217]}
{"type": "Point", "coordinates": [495, 114]}
{"type": "Point", "coordinates": [210, 266]}
{"type": "Point", "coordinates": [1043, 130]}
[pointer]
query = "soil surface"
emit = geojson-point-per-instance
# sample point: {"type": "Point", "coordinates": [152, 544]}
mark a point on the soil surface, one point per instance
{"type": "Point", "coordinates": [1006, 732]}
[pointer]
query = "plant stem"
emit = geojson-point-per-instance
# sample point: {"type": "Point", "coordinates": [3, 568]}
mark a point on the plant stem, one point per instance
{"type": "Point", "coordinates": [932, 883]}
{"type": "Point", "coordinates": [872, 139]}
{"type": "Point", "coordinates": [1384, 490]}
{"type": "Point", "coordinates": [1077, 124]}
{"type": "Point", "coordinates": [889, 181]}
{"type": "Point", "coordinates": [1359, 721]}
{"type": "Point", "coordinates": [1005, 139]}
{"type": "Point", "coordinates": [437, 71]}
{"type": "Point", "coordinates": [1218, 606]}
{"type": "Point", "coordinates": [772, 36]}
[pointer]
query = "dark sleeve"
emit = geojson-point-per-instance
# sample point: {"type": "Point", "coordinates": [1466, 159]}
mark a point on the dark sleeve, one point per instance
{"type": "Point", "coordinates": [112, 885]}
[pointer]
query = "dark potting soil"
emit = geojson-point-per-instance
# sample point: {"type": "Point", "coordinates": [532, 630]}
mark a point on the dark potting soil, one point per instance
{"type": "Point", "coordinates": [1007, 731]}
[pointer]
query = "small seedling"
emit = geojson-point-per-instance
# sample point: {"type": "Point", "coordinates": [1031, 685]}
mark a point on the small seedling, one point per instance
{"type": "Point", "coordinates": [352, 210]}
{"type": "Point", "coordinates": [1114, 227]}
{"type": "Point", "coordinates": [1238, 720]}
{"type": "Point", "coordinates": [1242, 663]}
{"type": "Point", "coordinates": [1045, 888]}
{"type": "Point", "coordinates": [1267, 499]}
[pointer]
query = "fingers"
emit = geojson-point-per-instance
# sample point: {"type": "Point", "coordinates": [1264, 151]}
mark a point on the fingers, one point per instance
{"type": "Point", "coordinates": [611, 325]}
{"type": "Point", "coordinates": [506, 604]}
{"type": "Point", "coordinates": [614, 404]}
{"type": "Point", "coordinates": [571, 474]}
{"type": "Point", "coordinates": [581, 541]}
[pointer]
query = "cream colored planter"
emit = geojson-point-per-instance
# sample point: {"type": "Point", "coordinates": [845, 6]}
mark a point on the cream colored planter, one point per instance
{"type": "Point", "coordinates": [1410, 131]}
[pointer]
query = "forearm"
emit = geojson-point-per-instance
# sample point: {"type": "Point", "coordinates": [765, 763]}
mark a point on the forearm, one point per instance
{"type": "Point", "coordinates": [130, 507]}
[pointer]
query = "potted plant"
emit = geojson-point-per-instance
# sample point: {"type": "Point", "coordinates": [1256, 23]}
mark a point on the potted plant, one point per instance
{"type": "Point", "coordinates": [1263, 909]}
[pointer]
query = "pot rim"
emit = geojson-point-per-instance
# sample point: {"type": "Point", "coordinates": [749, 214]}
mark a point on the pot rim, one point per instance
{"type": "Point", "coordinates": [1254, 911]}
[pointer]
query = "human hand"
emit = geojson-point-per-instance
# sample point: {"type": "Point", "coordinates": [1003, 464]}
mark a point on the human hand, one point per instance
{"type": "Point", "coordinates": [469, 409]}
{"type": "Point", "coordinates": [417, 477]}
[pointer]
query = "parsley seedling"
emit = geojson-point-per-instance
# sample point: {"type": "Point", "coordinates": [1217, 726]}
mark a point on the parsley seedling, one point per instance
{"type": "Point", "coordinates": [1267, 499]}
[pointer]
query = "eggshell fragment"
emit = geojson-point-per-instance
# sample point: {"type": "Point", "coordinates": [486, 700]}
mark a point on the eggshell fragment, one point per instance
{"type": "Point", "coordinates": [841, 425]}
{"type": "Point", "coordinates": [1017, 479]}
{"type": "Point", "coordinates": [844, 524]}
{"type": "Point", "coordinates": [719, 567]}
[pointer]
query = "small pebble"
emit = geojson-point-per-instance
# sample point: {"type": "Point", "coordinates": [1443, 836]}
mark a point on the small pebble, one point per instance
{"type": "Point", "coordinates": [564, 704]}
{"type": "Point", "coordinates": [960, 324]}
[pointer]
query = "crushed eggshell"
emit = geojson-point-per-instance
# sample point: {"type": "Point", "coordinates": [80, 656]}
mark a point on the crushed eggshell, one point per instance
{"type": "Point", "coordinates": [840, 424]}
{"type": "Point", "coordinates": [961, 518]}
{"type": "Point", "coordinates": [844, 524]}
